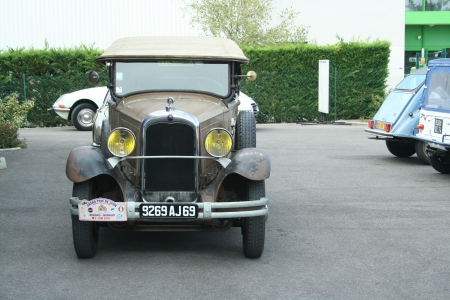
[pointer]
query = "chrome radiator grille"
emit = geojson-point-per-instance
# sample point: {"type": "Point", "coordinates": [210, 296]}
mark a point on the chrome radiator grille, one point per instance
{"type": "Point", "coordinates": [169, 175]}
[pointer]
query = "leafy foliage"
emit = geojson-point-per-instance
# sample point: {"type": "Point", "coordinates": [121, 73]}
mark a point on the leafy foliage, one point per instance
{"type": "Point", "coordinates": [47, 61]}
{"type": "Point", "coordinates": [286, 89]}
{"type": "Point", "coordinates": [247, 22]}
{"type": "Point", "coordinates": [287, 86]}
{"type": "Point", "coordinates": [45, 74]}
{"type": "Point", "coordinates": [12, 117]}
{"type": "Point", "coordinates": [13, 113]}
{"type": "Point", "coordinates": [9, 138]}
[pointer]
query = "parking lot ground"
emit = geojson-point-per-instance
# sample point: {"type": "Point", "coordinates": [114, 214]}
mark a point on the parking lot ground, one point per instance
{"type": "Point", "coordinates": [347, 221]}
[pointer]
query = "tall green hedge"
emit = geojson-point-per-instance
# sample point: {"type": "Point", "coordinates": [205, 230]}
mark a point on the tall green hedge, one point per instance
{"type": "Point", "coordinates": [46, 74]}
{"type": "Point", "coordinates": [286, 89]}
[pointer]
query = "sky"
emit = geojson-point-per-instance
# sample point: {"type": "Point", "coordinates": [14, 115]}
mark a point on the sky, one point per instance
{"type": "Point", "coordinates": [97, 23]}
{"type": "Point", "coordinates": [350, 19]}
{"type": "Point", "coordinates": [26, 23]}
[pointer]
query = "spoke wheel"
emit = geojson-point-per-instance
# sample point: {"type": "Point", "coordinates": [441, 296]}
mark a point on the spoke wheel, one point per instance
{"type": "Point", "coordinates": [85, 233]}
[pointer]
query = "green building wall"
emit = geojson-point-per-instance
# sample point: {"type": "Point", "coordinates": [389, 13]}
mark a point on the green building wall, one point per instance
{"type": "Point", "coordinates": [428, 30]}
{"type": "Point", "coordinates": [423, 36]}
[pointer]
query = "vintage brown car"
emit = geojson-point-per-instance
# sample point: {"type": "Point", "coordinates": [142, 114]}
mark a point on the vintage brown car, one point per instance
{"type": "Point", "coordinates": [170, 151]}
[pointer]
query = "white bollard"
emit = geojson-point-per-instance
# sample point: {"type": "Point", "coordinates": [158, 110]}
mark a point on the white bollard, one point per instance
{"type": "Point", "coordinates": [2, 163]}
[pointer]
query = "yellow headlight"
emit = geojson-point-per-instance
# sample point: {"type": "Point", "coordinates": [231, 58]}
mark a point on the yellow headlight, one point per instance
{"type": "Point", "coordinates": [218, 142]}
{"type": "Point", "coordinates": [121, 142]}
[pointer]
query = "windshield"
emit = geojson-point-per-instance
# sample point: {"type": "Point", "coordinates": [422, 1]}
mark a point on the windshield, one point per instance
{"type": "Point", "coordinates": [439, 91]}
{"type": "Point", "coordinates": [411, 82]}
{"type": "Point", "coordinates": [132, 77]}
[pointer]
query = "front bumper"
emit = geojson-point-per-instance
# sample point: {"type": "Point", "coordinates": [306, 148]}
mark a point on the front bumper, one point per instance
{"type": "Point", "coordinates": [60, 112]}
{"type": "Point", "coordinates": [207, 211]}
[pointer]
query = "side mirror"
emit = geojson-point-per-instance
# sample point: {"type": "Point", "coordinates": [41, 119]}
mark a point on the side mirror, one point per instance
{"type": "Point", "coordinates": [93, 77]}
{"type": "Point", "coordinates": [251, 75]}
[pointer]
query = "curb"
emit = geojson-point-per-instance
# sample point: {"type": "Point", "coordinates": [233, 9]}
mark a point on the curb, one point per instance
{"type": "Point", "coordinates": [10, 149]}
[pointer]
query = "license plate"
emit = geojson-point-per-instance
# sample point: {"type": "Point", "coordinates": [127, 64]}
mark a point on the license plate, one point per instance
{"type": "Point", "coordinates": [438, 126]}
{"type": "Point", "coordinates": [168, 210]}
{"type": "Point", "coordinates": [380, 125]}
{"type": "Point", "coordinates": [101, 210]}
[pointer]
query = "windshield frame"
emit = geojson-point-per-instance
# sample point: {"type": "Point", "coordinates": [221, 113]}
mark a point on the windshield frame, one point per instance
{"type": "Point", "coordinates": [437, 83]}
{"type": "Point", "coordinates": [407, 83]}
{"type": "Point", "coordinates": [201, 67]}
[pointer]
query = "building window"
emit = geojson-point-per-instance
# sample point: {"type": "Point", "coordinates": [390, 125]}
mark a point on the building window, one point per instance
{"type": "Point", "coordinates": [437, 5]}
{"type": "Point", "coordinates": [414, 5]}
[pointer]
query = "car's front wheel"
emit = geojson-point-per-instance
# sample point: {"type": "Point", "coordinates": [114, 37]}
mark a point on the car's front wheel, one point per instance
{"type": "Point", "coordinates": [83, 116]}
{"type": "Point", "coordinates": [85, 233]}
{"type": "Point", "coordinates": [254, 228]}
{"type": "Point", "coordinates": [401, 149]}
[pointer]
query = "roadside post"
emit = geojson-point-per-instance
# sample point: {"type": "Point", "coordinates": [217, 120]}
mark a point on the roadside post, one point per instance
{"type": "Point", "coordinates": [324, 95]}
{"type": "Point", "coordinates": [2, 163]}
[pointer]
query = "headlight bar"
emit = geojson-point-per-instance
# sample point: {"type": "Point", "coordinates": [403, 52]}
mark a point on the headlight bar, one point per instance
{"type": "Point", "coordinates": [113, 161]}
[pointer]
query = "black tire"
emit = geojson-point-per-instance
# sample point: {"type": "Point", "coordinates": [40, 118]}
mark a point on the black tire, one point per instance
{"type": "Point", "coordinates": [245, 130]}
{"type": "Point", "coordinates": [440, 164]}
{"type": "Point", "coordinates": [83, 116]}
{"type": "Point", "coordinates": [85, 233]}
{"type": "Point", "coordinates": [401, 149]}
{"type": "Point", "coordinates": [421, 152]}
{"type": "Point", "coordinates": [254, 228]}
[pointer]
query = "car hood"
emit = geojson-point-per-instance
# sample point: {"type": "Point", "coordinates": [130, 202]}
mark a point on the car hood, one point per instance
{"type": "Point", "coordinates": [201, 106]}
{"type": "Point", "coordinates": [91, 93]}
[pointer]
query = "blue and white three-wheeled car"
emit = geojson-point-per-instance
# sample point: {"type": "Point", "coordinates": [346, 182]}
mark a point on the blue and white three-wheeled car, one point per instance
{"type": "Point", "coordinates": [434, 123]}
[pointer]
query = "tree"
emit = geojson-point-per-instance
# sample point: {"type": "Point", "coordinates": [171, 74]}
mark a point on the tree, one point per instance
{"type": "Point", "coordinates": [247, 22]}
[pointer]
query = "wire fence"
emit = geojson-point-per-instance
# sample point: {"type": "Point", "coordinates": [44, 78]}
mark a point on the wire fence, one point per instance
{"type": "Point", "coordinates": [292, 96]}
{"type": "Point", "coordinates": [45, 90]}
{"type": "Point", "coordinates": [285, 96]}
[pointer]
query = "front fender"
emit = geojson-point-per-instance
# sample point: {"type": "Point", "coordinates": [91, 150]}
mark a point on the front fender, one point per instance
{"type": "Point", "coordinates": [251, 163]}
{"type": "Point", "coordinates": [87, 162]}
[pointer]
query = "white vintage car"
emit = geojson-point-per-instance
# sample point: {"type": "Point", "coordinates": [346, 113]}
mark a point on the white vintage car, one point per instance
{"type": "Point", "coordinates": [247, 103]}
{"type": "Point", "coordinates": [80, 106]}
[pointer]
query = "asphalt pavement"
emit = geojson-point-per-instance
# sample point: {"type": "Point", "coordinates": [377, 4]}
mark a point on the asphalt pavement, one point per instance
{"type": "Point", "coordinates": [347, 220]}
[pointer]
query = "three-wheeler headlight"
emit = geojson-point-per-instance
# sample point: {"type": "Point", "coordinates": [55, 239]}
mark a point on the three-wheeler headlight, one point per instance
{"type": "Point", "coordinates": [218, 142]}
{"type": "Point", "coordinates": [121, 142]}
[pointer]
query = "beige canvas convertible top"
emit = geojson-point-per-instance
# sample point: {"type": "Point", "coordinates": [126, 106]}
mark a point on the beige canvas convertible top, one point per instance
{"type": "Point", "coordinates": [173, 47]}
